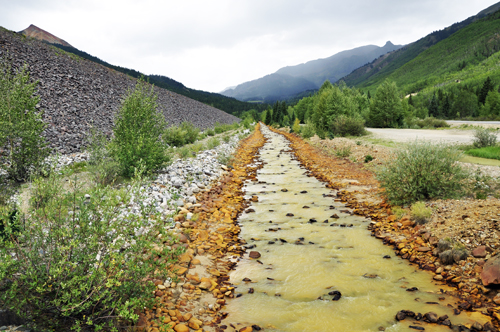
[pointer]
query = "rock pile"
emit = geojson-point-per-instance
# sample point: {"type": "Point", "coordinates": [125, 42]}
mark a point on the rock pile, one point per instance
{"type": "Point", "coordinates": [76, 93]}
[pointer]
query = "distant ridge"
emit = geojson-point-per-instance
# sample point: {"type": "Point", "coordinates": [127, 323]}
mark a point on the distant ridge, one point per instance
{"type": "Point", "coordinates": [292, 80]}
{"type": "Point", "coordinates": [35, 32]}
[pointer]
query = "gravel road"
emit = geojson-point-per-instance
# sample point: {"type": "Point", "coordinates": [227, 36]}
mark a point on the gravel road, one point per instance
{"type": "Point", "coordinates": [405, 135]}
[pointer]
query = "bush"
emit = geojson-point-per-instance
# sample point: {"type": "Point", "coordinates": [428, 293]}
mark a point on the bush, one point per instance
{"type": "Point", "coordinates": [212, 143]}
{"type": "Point", "coordinates": [308, 130]}
{"type": "Point", "coordinates": [484, 137]}
{"type": "Point", "coordinates": [103, 167]}
{"type": "Point", "coordinates": [431, 122]}
{"type": "Point", "coordinates": [138, 132]}
{"type": "Point", "coordinates": [210, 132]}
{"type": "Point", "coordinates": [348, 126]}
{"type": "Point", "coordinates": [296, 126]}
{"type": "Point", "coordinates": [10, 224]}
{"type": "Point", "coordinates": [420, 213]}
{"type": "Point", "coordinates": [343, 152]}
{"type": "Point", "coordinates": [79, 261]}
{"type": "Point", "coordinates": [174, 136]}
{"type": "Point", "coordinates": [423, 171]}
{"type": "Point", "coordinates": [186, 133]}
{"type": "Point", "coordinates": [21, 125]}
{"type": "Point", "coordinates": [368, 158]}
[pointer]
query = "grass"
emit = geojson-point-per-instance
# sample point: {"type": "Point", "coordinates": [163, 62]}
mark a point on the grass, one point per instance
{"type": "Point", "coordinates": [489, 152]}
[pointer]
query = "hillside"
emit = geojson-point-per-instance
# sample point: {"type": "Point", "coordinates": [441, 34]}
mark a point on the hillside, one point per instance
{"type": "Point", "coordinates": [467, 47]}
{"type": "Point", "coordinates": [292, 80]}
{"type": "Point", "coordinates": [76, 93]}
{"type": "Point", "coordinates": [372, 74]}
{"type": "Point", "coordinates": [229, 105]}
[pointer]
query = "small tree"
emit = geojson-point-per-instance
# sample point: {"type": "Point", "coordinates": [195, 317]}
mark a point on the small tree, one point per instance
{"type": "Point", "coordinates": [385, 107]}
{"type": "Point", "coordinates": [21, 125]}
{"type": "Point", "coordinates": [138, 131]}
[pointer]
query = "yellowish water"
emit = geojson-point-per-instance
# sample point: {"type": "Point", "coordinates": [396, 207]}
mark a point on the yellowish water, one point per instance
{"type": "Point", "coordinates": [289, 277]}
{"type": "Point", "coordinates": [480, 161]}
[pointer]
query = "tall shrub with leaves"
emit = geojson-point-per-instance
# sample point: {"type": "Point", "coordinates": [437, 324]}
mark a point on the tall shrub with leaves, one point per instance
{"type": "Point", "coordinates": [21, 124]}
{"type": "Point", "coordinates": [79, 261]}
{"type": "Point", "coordinates": [138, 141]}
{"type": "Point", "coordinates": [386, 110]}
{"type": "Point", "coordinates": [423, 171]}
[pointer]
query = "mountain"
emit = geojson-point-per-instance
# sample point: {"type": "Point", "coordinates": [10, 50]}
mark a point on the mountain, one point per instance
{"type": "Point", "coordinates": [40, 34]}
{"type": "Point", "coordinates": [227, 104]}
{"type": "Point", "coordinates": [292, 80]}
{"type": "Point", "coordinates": [77, 94]}
{"type": "Point", "coordinates": [372, 74]}
{"type": "Point", "coordinates": [270, 88]}
{"type": "Point", "coordinates": [338, 65]}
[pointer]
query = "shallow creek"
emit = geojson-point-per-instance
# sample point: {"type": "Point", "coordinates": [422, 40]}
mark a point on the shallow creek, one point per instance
{"type": "Point", "coordinates": [303, 260]}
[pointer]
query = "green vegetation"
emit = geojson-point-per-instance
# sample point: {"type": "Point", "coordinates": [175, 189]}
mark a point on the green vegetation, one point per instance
{"type": "Point", "coordinates": [78, 262]}
{"type": "Point", "coordinates": [343, 152]}
{"type": "Point", "coordinates": [420, 213]}
{"type": "Point", "coordinates": [423, 171]}
{"type": "Point", "coordinates": [484, 138]}
{"type": "Point", "coordinates": [138, 144]}
{"type": "Point", "coordinates": [69, 257]}
{"type": "Point", "coordinates": [490, 152]}
{"type": "Point", "coordinates": [386, 110]}
{"type": "Point", "coordinates": [186, 133]}
{"type": "Point", "coordinates": [21, 126]}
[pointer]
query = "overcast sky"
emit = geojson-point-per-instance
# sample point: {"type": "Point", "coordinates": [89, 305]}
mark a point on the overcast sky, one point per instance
{"type": "Point", "coordinates": [212, 44]}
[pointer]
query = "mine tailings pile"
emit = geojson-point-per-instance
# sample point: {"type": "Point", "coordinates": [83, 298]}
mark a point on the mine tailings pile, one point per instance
{"type": "Point", "coordinates": [311, 263]}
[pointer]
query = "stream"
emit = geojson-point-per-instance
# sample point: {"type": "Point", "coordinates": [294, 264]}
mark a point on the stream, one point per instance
{"type": "Point", "coordinates": [320, 269]}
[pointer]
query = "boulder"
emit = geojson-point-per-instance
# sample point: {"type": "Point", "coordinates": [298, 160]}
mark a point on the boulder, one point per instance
{"type": "Point", "coordinates": [491, 271]}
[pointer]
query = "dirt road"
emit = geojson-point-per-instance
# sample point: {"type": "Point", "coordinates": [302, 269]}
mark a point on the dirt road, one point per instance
{"type": "Point", "coordinates": [406, 135]}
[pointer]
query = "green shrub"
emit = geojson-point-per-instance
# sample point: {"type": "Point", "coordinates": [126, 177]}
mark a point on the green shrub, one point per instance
{"type": "Point", "coordinates": [226, 138]}
{"type": "Point", "coordinates": [79, 262]}
{"type": "Point", "coordinates": [21, 124]}
{"type": "Point", "coordinates": [423, 171]}
{"type": "Point", "coordinates": [197, 147]}
{"type": "Point", "coordinates": [184, 152]}
{"type": "Point", "coordinates": [398, 212]}
{"type": "Point", "coordinates": [308, 130]}
{"type": "Point", "coordinates": [220, 128]}
{"type": "Point", "coordinates": [10, 224]}
{"type": "Point", "coordinates": [368, 158]}
{"type": "Point", "coordinates": [431, 122]}
{"type": "Point", "coordinates": [174, 136]}
{"type": "Point", "coordinates": [44, 190]}
{"type": "Point", "coordinates": [484, 137]}
{"type": "Point", "coordinates": [210, 132]}
{"type": "Point", "coordinates": [296, 126]}
{"type": "Point", "coordinates": [212, 143]}
{"type": "Point", "coordinates": [343, 152]}
{"type": "Point", "coordinates": [190, 132]}
{"type": "Point", "coordinates": [348, 126]}
{"type": "Point", "coordinates": [101, 164]}
{"type": "Point", "coordinates": [138, 132]}
{"type": "Point", "coordinates": [420, 213]}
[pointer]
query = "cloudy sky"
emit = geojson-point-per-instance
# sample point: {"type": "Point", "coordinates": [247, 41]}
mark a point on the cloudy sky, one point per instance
{"type": "Point", "coordinates": [213, 44]}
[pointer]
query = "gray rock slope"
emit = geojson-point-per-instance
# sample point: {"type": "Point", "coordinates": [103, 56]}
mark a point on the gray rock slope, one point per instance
{"type": "Point", "coordinates": [76, 93]}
